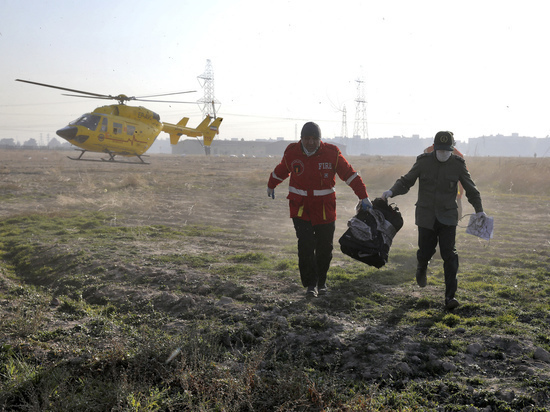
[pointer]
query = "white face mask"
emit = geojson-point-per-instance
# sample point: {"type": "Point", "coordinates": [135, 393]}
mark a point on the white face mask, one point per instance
{"type": "Point", "coordinates": [443, 155]}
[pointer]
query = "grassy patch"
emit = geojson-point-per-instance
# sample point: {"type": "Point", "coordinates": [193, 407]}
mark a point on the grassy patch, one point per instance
{"type": "Point", "coordinates": [133, 290]}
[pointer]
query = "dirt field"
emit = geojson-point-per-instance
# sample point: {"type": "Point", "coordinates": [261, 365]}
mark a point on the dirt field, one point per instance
{"type": "Point", "coordinates": [229, 192]}
{"type": "Point", "coordinates": [225, 199]}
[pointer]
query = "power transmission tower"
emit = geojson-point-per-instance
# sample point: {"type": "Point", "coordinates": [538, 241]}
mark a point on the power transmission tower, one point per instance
{"type": "Point", "coordinates": [344, 132]}
{"type": "Point", "coordinates": [360, 127]}
{"type": "Point", "coordinates": [209, 102]}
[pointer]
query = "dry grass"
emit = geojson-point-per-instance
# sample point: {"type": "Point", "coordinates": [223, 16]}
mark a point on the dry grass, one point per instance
{"type": "Point", "coordinates": [505, 175]}
{"type": "Point", "coordinates": [188, 256]}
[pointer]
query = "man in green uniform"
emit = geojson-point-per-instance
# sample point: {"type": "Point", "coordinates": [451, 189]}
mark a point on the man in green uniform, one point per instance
{"type": "Point", "coordinates": [438, 173]}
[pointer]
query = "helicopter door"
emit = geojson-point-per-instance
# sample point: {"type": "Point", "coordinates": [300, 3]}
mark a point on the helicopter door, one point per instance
{"type": "Point", "coordinates": [103, 129]}
{"type": "Point", "coordinates": [104, 124]}
{"type": "Point", "coordinates": [117, 128]}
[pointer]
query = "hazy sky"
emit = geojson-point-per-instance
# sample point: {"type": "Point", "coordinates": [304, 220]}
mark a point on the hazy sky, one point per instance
{"type": "Point", "coordinates": [476, 67]}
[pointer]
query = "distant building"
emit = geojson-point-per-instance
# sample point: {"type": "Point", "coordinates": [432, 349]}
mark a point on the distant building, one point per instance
{"type": "Point", "coordinates": [514, 145]}
{"type": "Point", "coordinates": [388, 146]}
{"type": "Point", "coordinates": [160, 146]}
{"type": "Point", "coordinates": [247, 148]}
{"type": "Point", "coordinates": [498, 145]}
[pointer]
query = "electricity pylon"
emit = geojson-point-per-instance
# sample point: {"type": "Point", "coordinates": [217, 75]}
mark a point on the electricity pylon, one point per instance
{"type": "Point", "coordinates": [208, 102]}
{"type": "Point", "coordinates": [360, 128]}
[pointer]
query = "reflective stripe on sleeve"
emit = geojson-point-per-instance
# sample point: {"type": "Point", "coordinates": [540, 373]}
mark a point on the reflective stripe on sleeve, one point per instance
{"type": "Point", "coordinates": [276, 177]}
{"type": "Point", "coordinates": [353, 176]}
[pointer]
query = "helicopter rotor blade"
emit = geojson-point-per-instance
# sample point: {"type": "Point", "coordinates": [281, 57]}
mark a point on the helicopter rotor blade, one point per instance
{"type": "Point", "coordinates": [129, 98]}
{"type": "Point", "coordinates": [165, 94]}
{"type": "Point", "coordinates": [89, 97]}
{"type": "Point", "coordinates": [63, 88]}
{"type": "Point", "coordinates": [121, 98]}
{"type": "Point", "coordinates": [161, 101]}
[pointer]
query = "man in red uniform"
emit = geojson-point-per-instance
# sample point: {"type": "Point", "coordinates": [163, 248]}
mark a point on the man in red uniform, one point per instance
{"type": "Point", "coordinates": [312, 166]}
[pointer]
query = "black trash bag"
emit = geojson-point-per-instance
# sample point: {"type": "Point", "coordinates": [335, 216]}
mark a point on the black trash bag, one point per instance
{"type": "Point", "coordinates": [370, 233]}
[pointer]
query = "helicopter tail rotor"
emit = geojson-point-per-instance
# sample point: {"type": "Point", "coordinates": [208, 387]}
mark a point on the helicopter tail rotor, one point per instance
{"type": "Point", "coordinates": [211, 131]}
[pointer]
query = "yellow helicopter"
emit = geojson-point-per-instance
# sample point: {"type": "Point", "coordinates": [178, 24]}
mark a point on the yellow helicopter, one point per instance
{"type": "Point", "coordinates": [121, 130]}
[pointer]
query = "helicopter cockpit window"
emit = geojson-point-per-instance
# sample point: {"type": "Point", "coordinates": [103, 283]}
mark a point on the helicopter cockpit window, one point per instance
{"type": "Point", "coordinates": [90, 121]}
{"type": "Point", "coordinates": [117, 128]}
{"type": "Point", "coordinates": [104, 125]}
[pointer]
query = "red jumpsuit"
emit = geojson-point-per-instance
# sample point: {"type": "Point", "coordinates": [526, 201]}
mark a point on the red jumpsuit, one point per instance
{"type": "Point", "coordinates": [311, 192]}
{"type": "Point", "coordinates": [312, 200]}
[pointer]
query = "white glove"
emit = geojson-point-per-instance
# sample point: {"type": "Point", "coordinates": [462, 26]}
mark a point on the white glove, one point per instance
{"type": "Point", "coordinates": [363, 204]}
{"type": "Point", "coordinates": [386, 195]}
{"type": "Point", "coordinates": [480, 214]}
{"type": "Point", "coordinates": [366, 204]}
{"type": "Point", "coordinates": [271, 193]}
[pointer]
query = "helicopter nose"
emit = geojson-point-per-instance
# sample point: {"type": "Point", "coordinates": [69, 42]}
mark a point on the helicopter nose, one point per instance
{"type": "Point", "coordinates": [68, 132]}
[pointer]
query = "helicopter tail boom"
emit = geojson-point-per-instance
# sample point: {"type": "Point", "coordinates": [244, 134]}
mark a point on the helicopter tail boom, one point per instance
{"type": "Point", "coordinates": [205, 128]}
{"type": "Point", "coordinates": [173, 130]}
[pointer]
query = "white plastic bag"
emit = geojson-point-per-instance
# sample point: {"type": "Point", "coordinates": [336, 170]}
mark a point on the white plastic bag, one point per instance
{"type": "Point", "coordinates": [481, 226]}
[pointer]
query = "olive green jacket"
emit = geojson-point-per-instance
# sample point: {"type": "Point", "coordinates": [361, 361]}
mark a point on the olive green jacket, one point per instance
{"type": "Point", "coordinates": [438, 186]}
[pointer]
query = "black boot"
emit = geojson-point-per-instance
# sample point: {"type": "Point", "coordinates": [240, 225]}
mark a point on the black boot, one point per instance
{"type": "Point", "coordinates": [311, 292]}
{"type": "Point", "coordinates": [451, 303]}
{"type": "Point", "coordinates": [421, 275]}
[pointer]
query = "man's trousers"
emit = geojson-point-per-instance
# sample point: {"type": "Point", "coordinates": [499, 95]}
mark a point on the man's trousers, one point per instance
{"type": "Point", "coordinates": [315, 244]}
{"type": "Point", "coordinates": [427, 242]}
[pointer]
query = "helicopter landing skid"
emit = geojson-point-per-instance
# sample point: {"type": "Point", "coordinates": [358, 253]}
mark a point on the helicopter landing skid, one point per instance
{"type": "Point", "coordinates": [111, 159]}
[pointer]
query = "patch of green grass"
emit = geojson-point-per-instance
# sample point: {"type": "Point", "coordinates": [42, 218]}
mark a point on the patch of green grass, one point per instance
{"type": "Point", "coordinates": [203, 260]}
{"type": "Point", "coordinates": [235, 270]}
{"type": "Point", "coordinates": [141, 327]}
{"type": "Point", "coordinates": [389, 277]}
{"type": "Point", "coordinates": [249, 257]}
{"type": "Point", "coordinates": [451, 320]}
{"type": "Point", "coordinates": [349, 272]}
{"type": "Point", "coordinates": [286, 264]}
{"type": "Point", "coordinates": [202, 231]}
